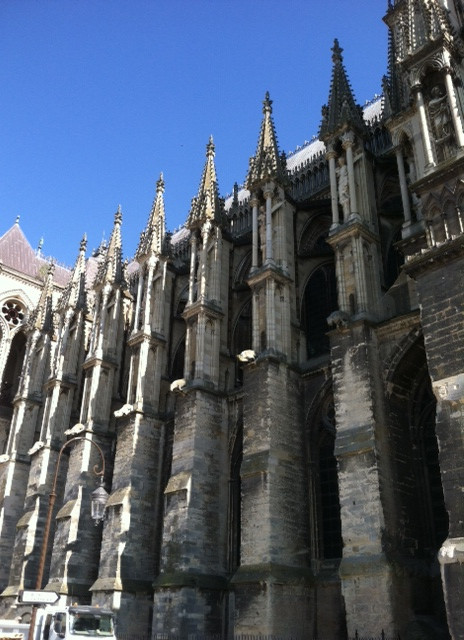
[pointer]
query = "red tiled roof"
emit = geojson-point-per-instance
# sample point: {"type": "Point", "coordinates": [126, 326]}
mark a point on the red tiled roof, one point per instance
{"type": "Point", "coordinates": [17, 253]}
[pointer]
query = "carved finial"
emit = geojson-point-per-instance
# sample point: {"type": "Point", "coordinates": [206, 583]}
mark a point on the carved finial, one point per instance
{"type": "Point", "coordinates": [337, 52]}
{"type": "Point", "coordinates": [267, 103]}
{"type": "Point", "coordinates": [83, 245]}
{"type": "Point", "coordinates": [39, 246]}
{"type": "Point", "coordinates": [17, 219]}
{"type": "Point", "coordinates": [160, 184]}
{"type": "Point", "coordinates": [210, 148]}
{"type": "Point", "coordinates": [118, 215]}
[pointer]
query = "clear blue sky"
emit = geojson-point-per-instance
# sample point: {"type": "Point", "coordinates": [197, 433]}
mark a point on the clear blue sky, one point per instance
{"type": "Point", "coordinates": [99, 96]}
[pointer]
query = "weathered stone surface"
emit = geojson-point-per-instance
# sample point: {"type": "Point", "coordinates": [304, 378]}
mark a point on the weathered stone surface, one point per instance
{"type": "Point", "coordinates": [277, 387]}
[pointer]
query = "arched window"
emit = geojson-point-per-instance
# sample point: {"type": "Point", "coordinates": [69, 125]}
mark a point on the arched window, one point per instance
{"type": "Point", "coordinates": [419, 523]}
{"type": "Point", "coordinates": [12, 371]}
{"type": "Point", "coordinates": [235, 491]}
{"type": "Point", "coordinates": [323, 484]}
{"type": "Point", "coordinates": [331, 535]}
{"type": "Point", "coordinates": [182, 302]}
{"type": "Point", "coordinates": [393, 258]}
{"type": "Point", "coordinates": [242, 330]}
{"type": "Point", "coordinates": [319, 301]}
{"type": "Point", "coordinates": [177, 370]}
{"type": "Point", "coordinates": [434, 527]}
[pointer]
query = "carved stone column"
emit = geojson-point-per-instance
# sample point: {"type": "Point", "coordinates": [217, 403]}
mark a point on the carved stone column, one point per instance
{"type": "Point", "coordinates": [457, 124]}
{"type": "Point", "coordinates": [269, 188]}
{"type": "Point", "coordinates": [193, 261]}
{"type": "Point", "coordinates": [254, 256]}
{"type": "Point", "coordinates": [429, 159]}
{"type": "Point", "coordinates": [403, 185]}
{"type": "Point", "coordinates": [331, 156]}
{"type": "Point", "coordinates": [347, 144]}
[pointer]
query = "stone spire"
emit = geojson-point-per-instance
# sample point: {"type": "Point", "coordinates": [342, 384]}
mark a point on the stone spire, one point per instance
{"type": "Point", "coordinates": [74, 294]}
{"type": "Point", "coordinates": [42, 316]}
{"type": "Point", "coordinates": [392, 86]}
{"type": "Point", "coordinates": [206, 205]}
{"type": "Point", "coordinates": [266, 164]}
{"type": "Point", "coordinates": [152, 238]}
{"type": "Point", "coordinates": [110, 270]}
{"type": "Point", "coordinates": [341, 108]}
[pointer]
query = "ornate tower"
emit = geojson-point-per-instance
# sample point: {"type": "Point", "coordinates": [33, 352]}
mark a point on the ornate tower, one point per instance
{"type": "Point", "coordinates": [24, 431]}
{"type": "Point", "coordinates": [354, 233]}
{"type": "Point", "coordinates": [60, 401]}
{"type": "Point", "coordinates": [77, 541]}
{"type": "Point", "coordinates": [272, 268]}
{"type": "Point", "coordinates": [355, 363]}
{"type": "Point", "coordinates": [425, 107]}
{"type": "Point", "coordinates": [274, 567]}
{"type": "Point", "coordinates": [205, 307]}
{"type": "Point", "coordinates": [131, 532]}
{"type": "Point", "coordinates": [189, 591]}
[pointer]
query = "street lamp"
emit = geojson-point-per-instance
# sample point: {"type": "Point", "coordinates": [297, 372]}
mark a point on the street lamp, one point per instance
{"type": "Point", "coordinates": [99, 498]}
{"type": "Point", "coordinates": [98, 504]}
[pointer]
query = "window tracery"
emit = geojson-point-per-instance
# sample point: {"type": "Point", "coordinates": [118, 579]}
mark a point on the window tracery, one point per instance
{"type": "Point", "coordinates": [13, 312]}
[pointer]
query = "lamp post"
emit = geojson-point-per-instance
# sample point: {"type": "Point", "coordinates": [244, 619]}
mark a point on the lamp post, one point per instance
{"type": "Point", "coordinates": [99, 498]}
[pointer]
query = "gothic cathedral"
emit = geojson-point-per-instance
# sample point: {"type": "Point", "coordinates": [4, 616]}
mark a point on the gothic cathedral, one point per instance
{"type": "Point", "coordinates": [276, 389]}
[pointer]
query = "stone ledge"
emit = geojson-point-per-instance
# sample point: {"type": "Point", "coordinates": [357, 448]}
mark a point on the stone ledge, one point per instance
{"type": "Point", "coordinates": [273, 574]}
{"type": "Point", "coordinates": [120, 584]}
{"type": "Point", "coordinates": [364, 565]}
{"type": "Point", "coordinates": [179, 579]}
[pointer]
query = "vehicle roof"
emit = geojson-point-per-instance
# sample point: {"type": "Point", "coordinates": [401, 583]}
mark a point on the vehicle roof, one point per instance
{"type": "Point", "coordinates": [83, 608]}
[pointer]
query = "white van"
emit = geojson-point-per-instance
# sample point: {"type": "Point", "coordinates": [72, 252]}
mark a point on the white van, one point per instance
{"type": "Point", "coordinates": [74, 622]}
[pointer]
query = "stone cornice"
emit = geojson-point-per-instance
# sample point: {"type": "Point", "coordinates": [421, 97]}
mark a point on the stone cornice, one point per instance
{"type": "Point", "coordinates": [435, 257]}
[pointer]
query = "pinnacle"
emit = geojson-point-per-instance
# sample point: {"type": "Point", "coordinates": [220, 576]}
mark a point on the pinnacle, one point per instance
{"type": "Point", "coordinates": [83, 244]}
{"type": "Point", "coordinates": [118, 215]}
{"type": "Point", "coordinates": [152, 237]}
{"type": "Point", "coordinates": [110, 268]}
{"type": "Point", "coordinates": [267, 103]}
{"type": "Point", "coordinates": [205, 206]}
{"type": "Point", "coordinates": [42, 318]}
{"type": "Point", "coordinates": [160, 184]}
{"type": "Point", "coordinates": [267, 163]}
{"type": "Point", "coordinates": [337, 52]}
{"type": "Point", "coordinates": [74, 294]}
{"type": "Point", "coordinates": [341, 108]}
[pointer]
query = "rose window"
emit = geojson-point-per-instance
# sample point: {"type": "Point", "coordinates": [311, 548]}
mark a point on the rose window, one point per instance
{"type": "Point", "coordinates": [13, 312]}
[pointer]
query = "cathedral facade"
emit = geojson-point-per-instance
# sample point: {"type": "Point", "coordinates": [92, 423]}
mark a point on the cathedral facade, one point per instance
{"type": "Point", "coordinates": [276, 390]}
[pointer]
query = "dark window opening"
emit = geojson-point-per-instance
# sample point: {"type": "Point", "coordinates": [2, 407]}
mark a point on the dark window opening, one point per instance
{"type": "Point", "coordinates": [235, 491]}
{"type": "Point", "coordinates": [12, 371]}
{"type": "Point", "coordinates": [320, 300]}
{"type": "Point", "coordinates": [177, 371]}
{"type": "Point", "coordinates": [331, 535]}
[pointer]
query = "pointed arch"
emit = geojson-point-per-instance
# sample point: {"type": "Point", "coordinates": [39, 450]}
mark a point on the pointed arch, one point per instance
{"type": "Point", "coordinates": [325, 521]}
{"type": "Point", "coordinates": [421, 520]}
{"type": "Point", "coordinates": [312, 241]}
{"type": "Point", "coordinates": [242, 271]}
{"type": "Point", "coordinates": [241, 333]}
{"type": "Point", "coordinates": [319, 300]}
{"type": "Point", "coordinates": [235, 492]}
{"type": "Point", "coordinates": [12, 371]}
{"type": "Point", "coordinates": [178, 361]}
